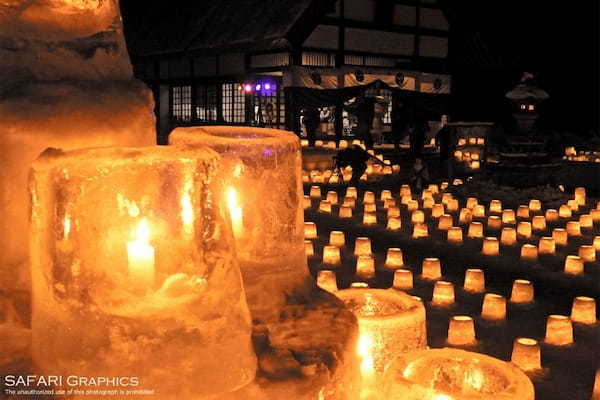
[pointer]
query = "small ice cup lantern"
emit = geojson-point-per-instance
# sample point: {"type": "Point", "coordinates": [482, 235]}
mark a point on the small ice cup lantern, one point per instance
{"type": "Point", "coordinates": [584, 310]}
{"type": "Point", "coordinates": [390, 323]}
{"type": "Point", "coordinates": [437, 374]}
{"type": "Point", "coordinates": [134, 270]}
{"type": "Point", "coordinates": [574, 265]}
{"type": "Point", "coordinates": [461, 331]}
{"type": "Point", "coordinates": [474, 281]}
{"type": "Point", "coordinates": [493, 307]}
{"type": "Point", "coordinates": [526, 354]}
{"type": "Point", "coordinates": [559, 330]}
{"type": "Point", "coordinates": [264, 167]}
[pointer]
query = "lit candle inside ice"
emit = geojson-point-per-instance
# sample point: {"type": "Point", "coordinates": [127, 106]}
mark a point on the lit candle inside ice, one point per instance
{"type": "Point", "coordinates": [140, 256]}
{"type": "Point", "coordinates": [235, 212]}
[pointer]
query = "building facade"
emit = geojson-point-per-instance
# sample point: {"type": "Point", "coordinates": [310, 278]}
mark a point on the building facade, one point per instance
{"type": "Point", "coordinates": [263, 62]}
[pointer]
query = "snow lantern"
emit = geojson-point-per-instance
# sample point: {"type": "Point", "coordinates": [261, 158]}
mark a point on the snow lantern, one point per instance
{"type": "Point", "coordinates": [390, 323]}
{"type": "Point", "coordinates": [261, 170]}
{"type": "Point", "coordinates": [134, 270]}
{"type": "Point", "coordinates": [454, 374]}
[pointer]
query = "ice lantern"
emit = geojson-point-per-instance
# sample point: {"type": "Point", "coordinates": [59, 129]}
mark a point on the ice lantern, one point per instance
{"type": "Point", "coordinates": [133, 270]}
{"type": "Point", "coordinates": [263, 166]}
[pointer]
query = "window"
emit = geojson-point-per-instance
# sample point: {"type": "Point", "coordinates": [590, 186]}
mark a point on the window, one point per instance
{"type": "Point", "coordinates": [313, 59]}
{"type": "Point", "coordinates": [206, 103]}
{"type": "Point", "coordinates": [234, 107]}
{"type": "Point", "coordinates": [281, 105]}
{"type": "Point", "coordinates": [182, 103]}
{"type": "Point", "coordinates": [387, 95]}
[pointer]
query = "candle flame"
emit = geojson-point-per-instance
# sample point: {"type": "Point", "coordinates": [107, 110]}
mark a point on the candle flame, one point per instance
{"type": "Point", "coordinates": [235, 211]}
{"type": "Point", "coordinates": [187, 211]}
{"type": "Point", "coordinates": [142, 232]}
{"type": "Point", "coordinates": [66, 226]}
{"type": "Point", "coordinates": [364, 350]}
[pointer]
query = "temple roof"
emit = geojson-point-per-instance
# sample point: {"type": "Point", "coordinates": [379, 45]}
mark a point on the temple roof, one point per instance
{"type": "Point", "coordinates": [179, 26]}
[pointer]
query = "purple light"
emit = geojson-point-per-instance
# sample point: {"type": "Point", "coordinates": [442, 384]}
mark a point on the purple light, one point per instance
{"type": "Point", "coordinates": [258, 87]}
{"type": "Point", "coordinates": [267, 86]}
{"type": "Point", "coordinates": [248, 88]}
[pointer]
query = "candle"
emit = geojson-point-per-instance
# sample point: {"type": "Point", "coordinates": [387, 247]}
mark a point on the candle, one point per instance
{"type": "Point", "coordinates": [584, 310]}
{"type": "Point", "coordinates": [529, 252]}
{"type": "Point", "coordinates": [351, 192]}
{"type": "Point", "coordinates": [394, 258]}
{"type": "Point", "coordinates": [405, 191]}
{"type": "Point", "coordinates": [546, 245]}
{"type": "Point", "coordinates": [573, 205]}
{"type": "Point", "coordinates": [455, 235]}
{"type": "Point", "coordinates": [332, 197]}
{"type": "Point", "coordinates": [496, 206]}
{"type": "Point", "coordinates": [349, 202]}
{"type": "Point", "coordinates": [326, 280]}
{"type": "Point", "coordinates": [535, 205]}
{"type": "Point", "coordinates": [315, 192]}
{"type": "Point", "coordinates": [508, 237]}
{"type": "Point", "coordinates": [417, 216]}
{"type": "Point", "coordinates": [420, 230]}
{"type": "Point", "coordinates": [580, 195]}
{"type": "Point", "coordinates": [452, 205]}
{"type": "Point", "coordinates": [412, 205]}
{"type": "Point", "coordinates": [587, 253]}
{"type": "Point", "coordinates": [443, 294]}
{"type": "Point", "coordinates": [337, 238]}
{"type": "Point", "coordinates": [471, 202]}
{"type": "Point", "coordinates": [369, 207]}
{"type": "Point", "coordinates": [559, 330]}
{"type": "Point", "coordinates": [573, 228]}
{"type": "Point", "coordinates": [551, 215]}
{"type": "Point", "coordinates": [389, 203]}
{"type": "Point", "coordinates": [523, 212]}
{"type": "Point", "coordinates": [369, 218]}
{"type": "Point", "coordinates": [310, 230]}
{"type": "Point", "coordinates": [494, 223]}
{"type": "Point", "coordinates": [403, 279]}
{"type": "Point", "coordinates": [560, 236]}
{"type": "Point", "coordinates": [393, 224]}
{"type": "Point", "coordinates": [426, 194]}
{"type": "Point", "coordinates": [369, 197]}
{"type": "Point", "coordinates": [445, 222]}
{"type": "Point", "coordinates": [508, 217]}
{"type": "Point", "coordinates": [331, 256]}
{"type": "Point", "coordinates": [428, 203]}
{"type": "Point", "coordinates": [538, 223]}
{"type": "Point", "coordinates": [586, 221]}
{"type": "Point", "coordinates": [491, 246]}
{"type": "Point", "coordinates": [393, 212]}
{"type": "Point", "coordinates": [573, 265]}
{"type": "Point", "coordinates": [235, 212]}
{"type": "Point", "coordinates": [526, 354]}
{"type": "Point", "coordinates": [362, 246]}
{"type": "Point", "coordinates": [433, 188]}
{"type": "Point", "coordinates": [365, 267]}
{"type": "Point", "coordinates": [431, 269]}
{"type": "Point", "coordinates": [475, 230]}
{"type": "Point", "coordinates": [461, 331]}
{"type": "Point", "coordinates": [474, 281]}
{"type": "Point", "coordinates": [524, 230]}
{"type": "Point", "coordinates": [405, 199]}
{"type": "Point", "coordinates": [345, 212]}
{"type": "Point", "coordinates": [465, 216]}
{"type": "Point", "coordinates": [140, 257]}
{"type": "Point", "coordinates": [309, 249]}
{"type": "Point", "coordinates": [446, 197]}
{"type": "Point", "coordinates": [494, 307]}
{"type": "Point", "coordinates": [522, 292]}
{"type": "Point", "coordinates": [479, 211]}
{"type": "Point", "coordinates": [325, 207]}
{"type": "Point", "coordinates": [565, 211]}
{"type": "Point", "coordinates": [385, 194]}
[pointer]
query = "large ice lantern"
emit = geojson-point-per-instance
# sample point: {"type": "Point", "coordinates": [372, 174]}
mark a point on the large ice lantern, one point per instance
{"type": "Point", "coordinates": [263, 186]}
{"type": "Point", "coordinates": [134, 271]}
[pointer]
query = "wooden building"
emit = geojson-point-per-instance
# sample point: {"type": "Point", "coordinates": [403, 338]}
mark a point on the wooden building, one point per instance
{"type": "Point", "coordinates": [261, 62]}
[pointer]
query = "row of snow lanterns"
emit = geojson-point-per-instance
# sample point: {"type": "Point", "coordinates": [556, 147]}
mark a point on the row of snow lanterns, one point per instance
{"type": "Point", "coordinates": [461, 333]}
{"type": "Point", "coordinates": [491, 245]}
{"type": "Point", "coordinates": [571, 154]}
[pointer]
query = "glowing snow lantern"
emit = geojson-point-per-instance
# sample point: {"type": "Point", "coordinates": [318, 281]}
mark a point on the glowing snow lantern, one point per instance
{"type": "Point", "coordinates": [417, 216]}
{"type": "Point", "coordinates": [369, 197]}
{"type": "Point", "coordinates": [393, 212]}
{"type": "Point", "coordinates": [584, 310]}
{"type": "Point", "coordinates": [465, 216]}
{"type": "Point", "coordinates": [365, 267]}
{"type": "Point", "coordinates": [552, 215]}
{"type": "Point", "coordinates": [538, 223]}
{"type": "Point", "coordinates": [508, 217]}
{"type": "Point", "coordinates": [264, 166]}
{"type": "Point", "coordinates": [573, 228]}
{"type": "Point", "coordinates": [546, 245]}
{"type": "Point", "coordinates": [471, 202]}
{"type": "Point", "coordinates": [573, 205]}
{"type": "Point", "coordinates": [310, 230]}
{"type": "Point", "coordinates": [475, 230]}
{"type": "Point", "coordinates": [447, 374]}
{"type": "Point", "coordinates": [559, 330]}
{"type": "Point", "coordinates": [325, 207]}
{"type": "Point", "coordinates": [529, 252]}
{"type": "Point", "coordinates": [573, 265]}
{"type": "Point", "coordinates": [369, 207]}
{"type": "Point", "coordinates": [508, 237]}
{"type": "Point", "coordinates": [535, 205]}
{"type": "Point", "coordinates": [326, 280]}
{"type": "Point", "coordinates": [494, 307]}
{"type": "Point", "coordinates": [385, 194]}
{"type": "Point", "coordinates": [369, 218]}
{"type": "Point", "coordinates": [332, 197]}
{"type": "Point", "coordinates": [388, 203]}
{"type": "Point", "coordinates": [565, 211]}
{"type": "Point", "coordinates": [428, 203]}
{"type": "Point", "coordinates": [596, 393]}
{"type": "Point", "coordinates": [587, 253]}
{"type": "Point", "coordinates": [443, 294]}
{"type": "Point", "coordinates": [494, 223]}
{"type": "Point", "coordinates": [586, 221]}
{"type": "Point", "coordinates": [526, 354]}
{"type": "Point", "coordinates": [560, 236]}
{"type": "Point", "coordinates": [522, 292]}
{"type": "Point", "coordinates": [337, 238]}
{"type": "Point", "coordinates": [309, 248]}
{"type": "Point", "coordinates": [405, 190]}
{"type": "Point", "coordinates": [474, 281]}
{"type": "Point", "coordinates": [596, 243]}
{"type": "Point", "coordinates": [524, 230]}
{"type": "Point", "coordinates": [523, 212]}
{"type": "Point", "coordinates": [394, 258]}
{"type": "Point", "coordinates": [445, 222]}
{"type": "Point", "coordinates": [151, 265]}
{"type": "Point", "coordinates": [452, 205]}
{"type": "Point", "coordinates": [420, 230]}
{"type": "Point", "coordinates": [362, 246]}
{"type": "Point", "coordinates": [432, 269]}
{"type": "Point", "coordinates": [306, 202]}
{"type": "Point", "coordinates": [351, 192]}
{"type": "Point", "coordinates": [390, 323]}
{"type": "Point", "coordinates": [393, 224]}
{"type": "Point", "coordinates": [412, 205]}
{"type": "Point", "coordinates": [461, 331]}
{"type": "Point", "coordinates": [479, 211]}
{"type": "Point", "coordinates": [455, 235]}
{"type": "Point", "coordinates": [332, 256]}
{"type": "Point", "coordinates": [315, 192]}
{"type": "Point", "coordinates": [496, 206]}
{"type": "Point", "coordinates": [403, 279]}
{"type": "Point", "coordinates": [491, 246]}
{"type": "Point", "coordinates": [345, 212]}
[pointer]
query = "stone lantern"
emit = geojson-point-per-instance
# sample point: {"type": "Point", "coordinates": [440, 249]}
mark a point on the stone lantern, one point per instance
{"type": "Point", "coordinates": [525, 97]}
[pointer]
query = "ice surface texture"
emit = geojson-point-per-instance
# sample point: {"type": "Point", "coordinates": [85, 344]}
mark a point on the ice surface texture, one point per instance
{"type": "Point", "coordinates": [264, 167]}
{"type": "Point", "coordinates": [65, 82]}
{"type": "Point", "coordinates": [179, 322]}
{"type": "Point", "coordinates": [457, 374]}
